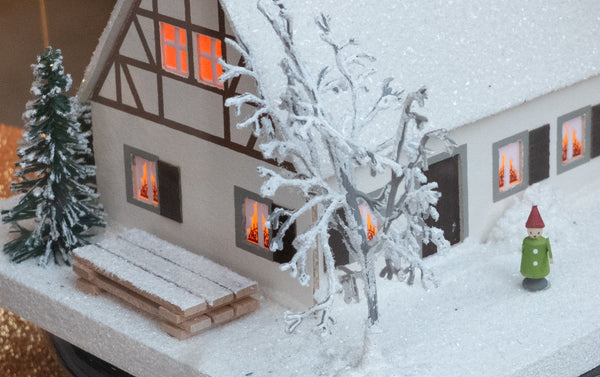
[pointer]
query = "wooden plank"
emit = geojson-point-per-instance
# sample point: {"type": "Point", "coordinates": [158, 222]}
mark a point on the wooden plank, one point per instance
{"type": "Point", "coordinates": [87, 287]}
{"type": "Point", "coordinates": [221, 315]}
{"type": "Point", "coordinates": [239, 285]}
{"type": "Point", "coordinates": [84, 272]}
{"type": "Point", "coordinates": [245, 306]}
{"type": "Point", "coordinates": [212, 293]}
{"type": "Point", "coordinates": [143, 283]}
{"type": "Point", "coordinates": [195, 325]}
{"type": "Point", "coordinates": [169, 316]}
{"type": "Point", "coordinates": [126, 295]}
{"type": "Point", "coordinates": [175, 332]}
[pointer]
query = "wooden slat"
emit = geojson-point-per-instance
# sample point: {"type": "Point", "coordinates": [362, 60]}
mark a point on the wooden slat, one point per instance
{"type": "Point", "coordinates": [169, 316]}
{"type": "Point", "coordinates": [149, 281]}
{"type": "Point", "coordinates": [139, 281]}
{"type": "Point", "coordinates": [84, 272]}
{"type": "Point", "coordinates": [212, 293]}
{"type": "Point", "coordinates": [87, 287]}
{"type": "Point", "coordinates": [239, 285]}
{"type": "Point", "coordinates": [175, 332]}
{"type": "Point", "coordinates": [245, 306]}
{"type": "Point", "coordinates": [125, 294]}
{"type": "Point", "coordinates": [221, 315]}
{"type": "Point", "coordinates": [194, 326]}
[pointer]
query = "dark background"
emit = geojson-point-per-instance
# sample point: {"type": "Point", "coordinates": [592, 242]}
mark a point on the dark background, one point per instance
{"type": "Point", "coordinates": [74, 26]}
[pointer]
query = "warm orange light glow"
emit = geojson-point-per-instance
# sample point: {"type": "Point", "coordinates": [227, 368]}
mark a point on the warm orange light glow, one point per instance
{"type": "Point", "coordinates": [253, 229]}
{"type": "Point", "coordinates": [9, 140]}
{"type": "Point", "coordinates": [144, 188]}
{"type": "Point", "coordinates": [205, 70]}
{"type": "Point", "coordinates": [577, 150]}
{"type": "Point", "coordinates": [154, 191]}
{"type": "Point", "coordinates": [169, 32]}
{"type": "Point", "coordinates": [209, 52]}
{"type": "Point", "coordinates": [172, 46]}
{"type": "Point", "coordinates": [513, 176]}
{"type": "Point", "coordinates": [371, 230]}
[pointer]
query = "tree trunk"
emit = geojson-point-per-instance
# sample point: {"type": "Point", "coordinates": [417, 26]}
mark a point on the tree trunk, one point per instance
{"type": "Point", "coordinates": [371, 291]}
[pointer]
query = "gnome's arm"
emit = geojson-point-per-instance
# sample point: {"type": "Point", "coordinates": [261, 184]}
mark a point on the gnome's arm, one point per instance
{"type": "Point", "coordinates": [549, 250]}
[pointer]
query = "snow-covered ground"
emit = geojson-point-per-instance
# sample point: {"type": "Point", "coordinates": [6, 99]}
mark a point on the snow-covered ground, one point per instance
{"type": "Point", "coordinates": [478, 322]}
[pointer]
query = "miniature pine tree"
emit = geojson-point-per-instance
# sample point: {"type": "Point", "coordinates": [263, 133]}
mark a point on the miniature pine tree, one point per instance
{"type": "Point", "coordinates": [50, 172]}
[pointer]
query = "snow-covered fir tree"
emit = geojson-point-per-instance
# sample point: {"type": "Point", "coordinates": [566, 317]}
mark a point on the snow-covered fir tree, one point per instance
{"type": "Point", "coordinates": [323, 145]}
{"type": "Point", "coordinates": [51, 172]}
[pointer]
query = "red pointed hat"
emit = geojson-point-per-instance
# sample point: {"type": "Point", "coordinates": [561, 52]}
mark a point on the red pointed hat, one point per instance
{"type": "Point", "coordinates": [534, 220]}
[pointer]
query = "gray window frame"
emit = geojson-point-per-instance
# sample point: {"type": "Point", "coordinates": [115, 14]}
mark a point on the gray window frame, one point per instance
{"type": "Point", "coordinates": [130, 153]}
{"type": "Point", "coordinates": [523, 137]}
{"type": "Point", "coordinates": [586, 112]}
{"type": "Point", "coordinates": [239, 194]}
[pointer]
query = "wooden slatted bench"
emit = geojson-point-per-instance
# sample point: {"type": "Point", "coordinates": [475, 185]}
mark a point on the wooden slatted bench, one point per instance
{"type": "Point", "coordinates": [187, 292]}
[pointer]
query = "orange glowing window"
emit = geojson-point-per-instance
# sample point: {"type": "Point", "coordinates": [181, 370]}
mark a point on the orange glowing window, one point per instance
{"type": "Point", "coordinates": [572, 139]}
{"type": "Point", "coordinates": [510, 172]}
{"type": "Point", "coordinates": [369, 220]}
{"type": "Point", "coordinates": [256, 214]}
{"type": "Point", "coordinates": [209, 52]}
{"type": "Point", "coordinates": [174, 49]}
{"type": "Point", "coordinates": [144, 183]}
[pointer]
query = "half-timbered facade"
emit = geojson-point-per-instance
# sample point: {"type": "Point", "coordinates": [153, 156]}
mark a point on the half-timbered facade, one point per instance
{"type": "Point", "coordinates": [170, 158]}
{"type": "Point", "coordinates": [171, 161]}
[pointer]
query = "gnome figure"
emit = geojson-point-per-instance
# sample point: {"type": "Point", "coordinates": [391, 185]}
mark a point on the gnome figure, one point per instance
{"type": "Point", "coordinates": [536, 254]}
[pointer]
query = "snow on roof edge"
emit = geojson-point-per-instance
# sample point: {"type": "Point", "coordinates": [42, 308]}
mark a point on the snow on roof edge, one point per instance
{"type": "Point", "coordinates": [106, 44]}
{"type": "Point", "coordinates": [522, 101]}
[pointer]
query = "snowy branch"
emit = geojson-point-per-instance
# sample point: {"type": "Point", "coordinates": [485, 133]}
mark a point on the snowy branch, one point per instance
{"type": "Point", "coordinates": [327, 152]}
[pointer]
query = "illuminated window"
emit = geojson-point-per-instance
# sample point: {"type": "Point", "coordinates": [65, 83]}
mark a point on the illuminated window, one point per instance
{"type": "Point", "coordinates": [209, 52]}
{"type": "Point", "coordinates": [252, 233]}
{"type": "Point", "coordinates": [143, 180]}
{"type": "Point", "coordinates": [152, 184]}
{"type": "Point", "coordinates": [371, 222]}
{"type": "Point", "coordinates": [511, 165]}
{"type": "Point", "coordinates": [510, 160]}
{"type": "Point", "coordinates": [255, 216]}
{"type": "Point", "coordinates": [573, 136]}
{"type": "Point", "coordinates": [173, 42]}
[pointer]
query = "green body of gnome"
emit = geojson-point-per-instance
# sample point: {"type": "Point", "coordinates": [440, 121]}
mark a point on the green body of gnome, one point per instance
{"type": "Point", "coordinates": [536, 254]}
{"type": "Point", "coordinates": [535, 259]}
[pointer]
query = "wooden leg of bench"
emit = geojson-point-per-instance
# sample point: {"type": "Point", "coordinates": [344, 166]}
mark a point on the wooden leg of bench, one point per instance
{"type": "Point", "coordinates": [84, 272]}
{"type": "Point", "coordinates": [170, 316]}
{"type": "Point", "coordinates": [245, 306]}
{"type": "Point", "coordinates": [221, 315]}
{"type": "Point", "coordinates": [87, 287]}
{"type": "Point", "coordinates": [196, 325]}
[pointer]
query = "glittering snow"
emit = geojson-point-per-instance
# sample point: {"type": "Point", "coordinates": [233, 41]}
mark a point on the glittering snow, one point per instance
{"type": "Point", "coordinates": [477, 58]}
{"type": "Point", "coordinates": [480, 321]}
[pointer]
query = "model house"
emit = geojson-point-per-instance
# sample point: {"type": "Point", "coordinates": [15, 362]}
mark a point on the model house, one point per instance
{"type": "Point", "coordinates": [518, 88]}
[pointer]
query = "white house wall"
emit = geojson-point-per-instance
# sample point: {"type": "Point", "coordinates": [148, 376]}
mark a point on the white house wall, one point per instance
{"type": "Point", "coordinates": [208, 175]}
{"type": "Point", "coordinates": [193, 106]}
{"type": "Point", "coordinates": [479, 137]}
{"type": "Point", "coordinates": [147, 80]}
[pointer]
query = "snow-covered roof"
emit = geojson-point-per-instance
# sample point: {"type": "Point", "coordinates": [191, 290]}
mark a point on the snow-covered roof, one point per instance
{"type": "Point", "coordinates": [477, 58]}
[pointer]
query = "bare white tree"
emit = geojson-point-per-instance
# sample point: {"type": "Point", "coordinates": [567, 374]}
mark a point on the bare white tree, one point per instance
{"type": "Point", "coordinates": [323, 146]}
